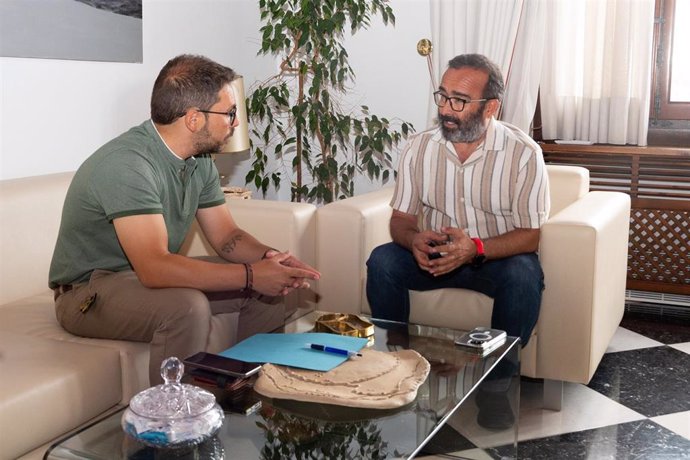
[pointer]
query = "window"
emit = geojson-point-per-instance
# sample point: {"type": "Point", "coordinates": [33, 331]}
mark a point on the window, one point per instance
{"type": "Point", "coordinates": [669, 107]}
{"type": "Point", "coordinates": [671, 83]}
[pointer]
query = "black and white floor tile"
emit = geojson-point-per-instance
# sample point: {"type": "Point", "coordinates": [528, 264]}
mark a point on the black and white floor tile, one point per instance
{"type": "Point", "coordinates": [637, 405]}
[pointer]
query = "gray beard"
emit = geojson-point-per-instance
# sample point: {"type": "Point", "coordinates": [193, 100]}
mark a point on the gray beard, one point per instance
{"type": "Point", "coordinates": [467, 131]}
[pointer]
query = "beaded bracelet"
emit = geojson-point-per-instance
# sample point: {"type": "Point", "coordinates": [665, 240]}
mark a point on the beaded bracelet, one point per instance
{"type": "Point", "coordinates": [249, 283]}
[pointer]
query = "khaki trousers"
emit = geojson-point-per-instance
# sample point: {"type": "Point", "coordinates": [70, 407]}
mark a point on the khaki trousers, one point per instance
{"type": "Point", "coordinates": [175, 321]}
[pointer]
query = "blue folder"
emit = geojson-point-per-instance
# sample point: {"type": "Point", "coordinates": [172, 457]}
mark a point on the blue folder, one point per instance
{"type": "Point", "coordinates": [291, 350]}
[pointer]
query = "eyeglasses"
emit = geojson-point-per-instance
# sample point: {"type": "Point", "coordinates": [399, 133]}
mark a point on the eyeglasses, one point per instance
{"type": "Point", "coordinates": [456, 103]}
{"type": "Point", "coordinates": [232, 114]}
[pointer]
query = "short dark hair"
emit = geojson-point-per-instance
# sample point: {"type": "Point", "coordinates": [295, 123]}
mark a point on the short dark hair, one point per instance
{"type": "Point", "coordinates": [187, 81]}
{"type": "Point", "coordinates": [494, 88]}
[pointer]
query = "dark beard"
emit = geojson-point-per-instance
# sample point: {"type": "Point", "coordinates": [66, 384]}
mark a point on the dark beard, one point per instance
{"type": "Point", "coordinates": [204, 144]}
{"type": "Point", "coordinates": [204, 149]}
{"type": "Point", "coordinates": [467, 131]}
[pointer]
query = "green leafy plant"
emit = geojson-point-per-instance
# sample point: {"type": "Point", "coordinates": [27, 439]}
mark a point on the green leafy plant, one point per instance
{"type": "Point", "coordinates": [297, 115]}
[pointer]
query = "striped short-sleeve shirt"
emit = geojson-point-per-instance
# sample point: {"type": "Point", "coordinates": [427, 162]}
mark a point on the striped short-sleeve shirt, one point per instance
{"type": "Point", "coordinates": [502, 185]}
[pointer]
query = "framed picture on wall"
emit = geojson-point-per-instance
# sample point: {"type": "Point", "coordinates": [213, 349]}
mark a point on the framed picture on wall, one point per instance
{"type": "Point", "coordinates": [85, 30]}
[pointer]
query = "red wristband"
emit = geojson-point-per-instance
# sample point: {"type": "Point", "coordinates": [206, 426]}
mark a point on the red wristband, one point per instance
{"type": "Point", "coordinates": [480, 246]}
{"type": "Point", "coordinates": [478, 259]}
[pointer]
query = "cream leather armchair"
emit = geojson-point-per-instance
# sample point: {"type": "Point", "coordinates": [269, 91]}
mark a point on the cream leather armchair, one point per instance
{"type": "Point", "coordinates": [583, 251]}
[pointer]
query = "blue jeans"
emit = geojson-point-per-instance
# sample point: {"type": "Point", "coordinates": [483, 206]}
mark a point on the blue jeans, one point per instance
{"type": "Point", "coordinates": [515, 283]}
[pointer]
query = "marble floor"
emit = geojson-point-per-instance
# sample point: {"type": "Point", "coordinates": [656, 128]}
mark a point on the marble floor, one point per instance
{"type": "Point", "coordinates": [637, 405]}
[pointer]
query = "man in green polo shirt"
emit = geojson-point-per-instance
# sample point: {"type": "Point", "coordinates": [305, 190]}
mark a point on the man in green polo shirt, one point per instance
{"type": "Point", "coordinates": [116, 271]}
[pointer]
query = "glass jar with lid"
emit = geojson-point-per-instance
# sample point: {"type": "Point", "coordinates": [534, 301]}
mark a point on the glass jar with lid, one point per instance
{"type": "Point", "coordinates": [172, 414]}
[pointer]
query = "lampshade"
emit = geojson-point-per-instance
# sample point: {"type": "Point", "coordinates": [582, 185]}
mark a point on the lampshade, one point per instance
{"type": "Point", "coordinates": [239, 141]}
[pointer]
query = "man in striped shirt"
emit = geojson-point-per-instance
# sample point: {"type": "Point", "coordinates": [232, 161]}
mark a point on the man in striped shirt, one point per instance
{"type": "Point", "coordinates": [470, 197]}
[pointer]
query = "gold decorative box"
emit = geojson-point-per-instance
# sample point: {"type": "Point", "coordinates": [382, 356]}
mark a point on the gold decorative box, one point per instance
{"type": "Point", "coordinates": [344, 324]}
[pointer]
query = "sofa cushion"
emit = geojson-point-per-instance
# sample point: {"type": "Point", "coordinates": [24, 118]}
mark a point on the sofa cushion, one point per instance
{"type": "Point", "coordinates": [47, 390]}
{"type": "Point", "coordinates": [35, 317]}
{"type": "Point", "coordinates": [567, 184]}
{"type": "Point", "coordinates": [31, 209]}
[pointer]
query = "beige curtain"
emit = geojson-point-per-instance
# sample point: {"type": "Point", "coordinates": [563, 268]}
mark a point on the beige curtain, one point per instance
{"type": "Point", "coordinates": [590, 59]}
{"type": "Point", "coordinates": [596, 76]}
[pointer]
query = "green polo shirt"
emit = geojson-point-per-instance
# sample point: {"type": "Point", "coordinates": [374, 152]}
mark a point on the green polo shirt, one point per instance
{"type": "Point", "coordinates": [133, 174]}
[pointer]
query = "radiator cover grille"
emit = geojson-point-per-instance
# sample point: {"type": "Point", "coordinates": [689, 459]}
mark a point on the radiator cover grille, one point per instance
{"type": "Point", "coordinates": [657, 303]}
{"type": "Point", "coordinates": [658, 182]}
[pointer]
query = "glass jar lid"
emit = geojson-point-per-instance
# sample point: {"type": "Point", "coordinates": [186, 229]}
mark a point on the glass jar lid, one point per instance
{"type": "Point", "coordinates": [172, 399]}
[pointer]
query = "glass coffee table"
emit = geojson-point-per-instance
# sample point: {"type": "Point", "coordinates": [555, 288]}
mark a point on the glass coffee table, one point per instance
{"type": "Point", "coordinates": [458, 384]}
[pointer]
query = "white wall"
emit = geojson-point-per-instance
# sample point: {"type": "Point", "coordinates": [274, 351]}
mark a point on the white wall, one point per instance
{"type": "Point", "coordinates": [54, 113]}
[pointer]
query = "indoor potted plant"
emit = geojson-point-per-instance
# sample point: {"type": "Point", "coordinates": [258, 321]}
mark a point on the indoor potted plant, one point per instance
{"type": "Point", "coordinates": [297, 116]}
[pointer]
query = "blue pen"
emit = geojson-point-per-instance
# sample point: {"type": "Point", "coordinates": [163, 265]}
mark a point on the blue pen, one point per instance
{"type": "Point", "coordinates": [337, 351]}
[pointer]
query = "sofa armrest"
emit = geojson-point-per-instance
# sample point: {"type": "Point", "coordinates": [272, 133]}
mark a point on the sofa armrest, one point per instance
{"type": "Point", "coordinates": [348, 230]}
{"type": "Point", "coordinates": [283, 225]}
{"type": "Point", "coordinates": [583, 252]}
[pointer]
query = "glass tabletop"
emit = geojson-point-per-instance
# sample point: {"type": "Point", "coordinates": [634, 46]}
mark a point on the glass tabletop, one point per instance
{"type": "Point", "coordinates": [290, 429]}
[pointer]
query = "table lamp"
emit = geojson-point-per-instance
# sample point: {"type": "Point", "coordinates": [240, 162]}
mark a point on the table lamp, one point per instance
{"type": "Point", "coordinates": [239, 141]}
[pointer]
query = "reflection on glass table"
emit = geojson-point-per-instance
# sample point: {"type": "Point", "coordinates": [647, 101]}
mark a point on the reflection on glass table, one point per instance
{"type": "Point", "coordinates": [457, 383]}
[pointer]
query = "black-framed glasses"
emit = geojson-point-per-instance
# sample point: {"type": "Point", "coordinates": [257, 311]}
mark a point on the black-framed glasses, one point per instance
{"type": "Point", "coordinates": [456, 103]}
{"type": "Point", "coordinates": [232, 114]}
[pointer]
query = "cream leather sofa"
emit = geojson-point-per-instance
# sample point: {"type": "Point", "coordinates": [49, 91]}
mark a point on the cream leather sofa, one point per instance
{"type": "Point", "coordinates": [51, 381]}
{"type": "Point", "coordinates": [583, 252]}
